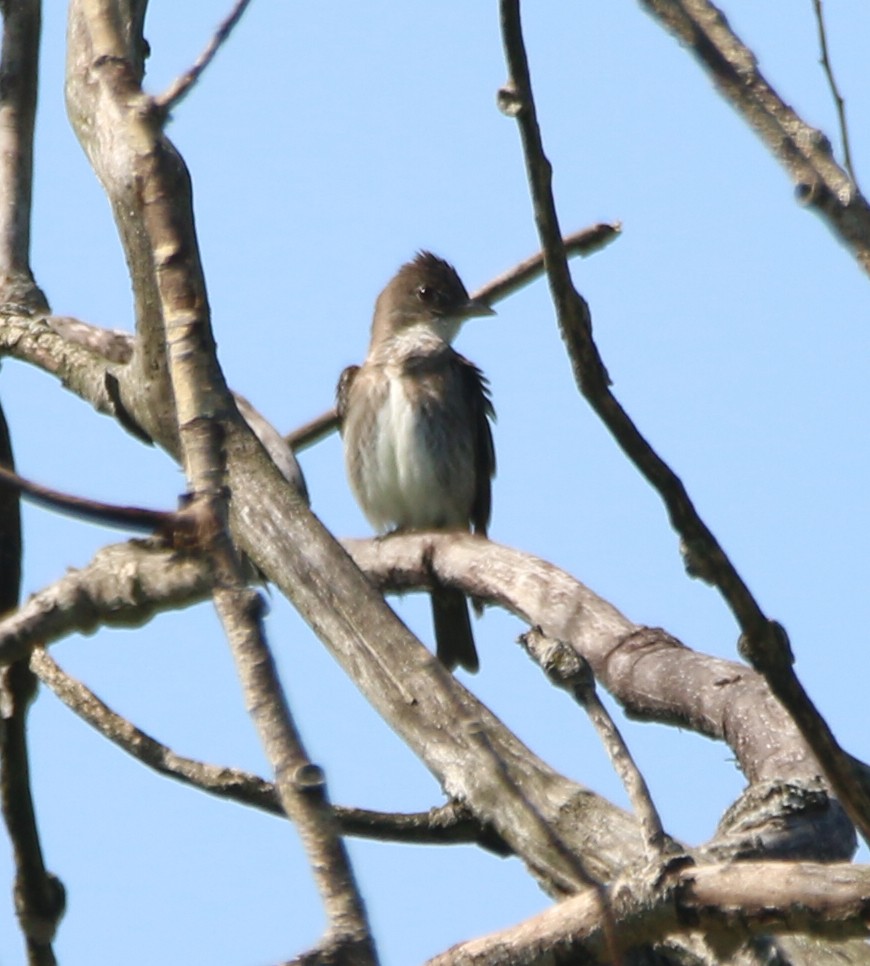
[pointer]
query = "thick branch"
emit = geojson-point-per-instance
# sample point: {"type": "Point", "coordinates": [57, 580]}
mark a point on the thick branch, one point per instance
{"type": "Point", "coordinates": [125, 585]}
{"type": "Point", "coordinates": [273, 527]}
{"type": "Point", "coordinates": [651, 674]}
{"type": "Point", "coordinates": [728, 903]}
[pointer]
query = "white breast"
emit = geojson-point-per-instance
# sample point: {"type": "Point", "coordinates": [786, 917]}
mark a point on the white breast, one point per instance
{"type": "Point", "coordinates": [399, 483]}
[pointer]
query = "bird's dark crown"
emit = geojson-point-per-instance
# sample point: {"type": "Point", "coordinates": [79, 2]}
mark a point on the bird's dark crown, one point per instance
{"type": "Point", "coordinates": [428, 285]}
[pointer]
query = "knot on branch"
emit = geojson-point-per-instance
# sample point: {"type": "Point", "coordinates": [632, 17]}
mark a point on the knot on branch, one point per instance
{"type": "Point", "coordinates": [509, 100]}
{"type": "Point", "coordinates": [785, 820]}
{"type": "Point", "coordinates": [40, 911]}
{"type": "Point", "coordinates": [767, 649]}
{"type": "Point", "coordinates": [309, 778]}
{"type": "Point", "coordinates": [565, 667]}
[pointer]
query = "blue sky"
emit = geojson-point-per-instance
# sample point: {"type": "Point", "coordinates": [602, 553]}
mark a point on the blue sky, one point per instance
{"type": "Point", "coordinates": [326, 145]}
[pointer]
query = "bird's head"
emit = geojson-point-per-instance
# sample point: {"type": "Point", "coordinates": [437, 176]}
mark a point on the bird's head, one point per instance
{"type": "Point", "coordinates": [429, 294]}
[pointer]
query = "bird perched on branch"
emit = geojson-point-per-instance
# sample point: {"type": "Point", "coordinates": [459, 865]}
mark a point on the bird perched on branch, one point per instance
{"type": "Point", "coordinates": [415, 420]}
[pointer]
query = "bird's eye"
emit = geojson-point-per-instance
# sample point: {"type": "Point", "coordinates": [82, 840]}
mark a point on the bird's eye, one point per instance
{"type": "Point", "coordinates": [432, 296]}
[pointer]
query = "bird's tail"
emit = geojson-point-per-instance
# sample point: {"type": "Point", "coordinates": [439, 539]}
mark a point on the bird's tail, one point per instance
{"type": "Point", "coordinates": [453, 638]}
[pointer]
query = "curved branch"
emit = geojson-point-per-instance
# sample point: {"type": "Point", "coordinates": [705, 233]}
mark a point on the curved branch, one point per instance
{"type": "Point", "coordinates": [448, 824]}
{"type": "Point", "coordinates": [653, 675]}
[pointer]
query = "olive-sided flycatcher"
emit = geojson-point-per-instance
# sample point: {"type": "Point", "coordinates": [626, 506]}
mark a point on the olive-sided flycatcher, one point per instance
{"type": "Point", "coordinates": [415, 420]}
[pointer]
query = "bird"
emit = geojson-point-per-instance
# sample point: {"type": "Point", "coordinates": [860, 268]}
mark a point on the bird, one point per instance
{"type": "Point", "coordinates": [415, 420]}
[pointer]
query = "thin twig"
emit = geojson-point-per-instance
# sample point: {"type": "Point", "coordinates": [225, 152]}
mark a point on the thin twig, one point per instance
{"type": "Point", "coordinates": [449, 824]}
{"type": "Point", "coordinates": [835, 91]}
{"type": "Point", "coordinates": [301, 784]}
{"type": "Point", "coordinates": [182, 85]}
{"type": "Point", "coordinates": [570, 671]}
{"type": "Point", "coordinates": [583, 242]}
{"type": "Point", "coordinates": [109, 514]}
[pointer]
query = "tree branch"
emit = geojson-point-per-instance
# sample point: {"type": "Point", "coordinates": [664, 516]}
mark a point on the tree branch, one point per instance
{"type": "Point", "coordinates": [570, 671]}
{"type": "Point", "coordinates": [448, 824]}
{"type": "Point", "coordinates": [802, 150]}
{"type": "Point", "coordinates": [763, 642]}
{"type": "Point", "coordinates": [839, 103]}
{"type": "Point", "coordinates": [125, 585]}
{"type": "Point", "coordinates": [650, 673]}
{"type": "Point", "coordinates": [301, 784]}
{"type": "Point", "coordinates": [108, 514]}
{"type": "Point", "coordinates": [20, 69]}
{"type": "Point", "coordinates": [182, 85]}
{"type": "Point", "coordinates": [727, 903]}
{"type": "Point", "coordinates": [39, 895]}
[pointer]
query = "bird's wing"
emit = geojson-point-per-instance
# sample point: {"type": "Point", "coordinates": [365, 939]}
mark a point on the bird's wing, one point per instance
{"type": "Point", "coordinates": [342, 392]}
{"type": "Point", "coordinates": [476, 389]}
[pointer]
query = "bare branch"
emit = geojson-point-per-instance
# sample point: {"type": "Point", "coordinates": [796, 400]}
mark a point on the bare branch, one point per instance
{"type": "Point", "coordinates": [182, 86]}
{"type": "Point", "coordinates": [313, 431]}
{"type": "Point", "coordinates": [652, 674]}
{"type": "Point", "coordinates": [728, 903]}
{"type": "Point", "coordinates": [204, 411]}
{"type": "Point", "coordinates": [108, 514]}
{"type": "Point", "coordinates": [584, 242]}
{"type": "Point", "coordinates": [449, 824]}
{"type": "Point", "coordinates": [301, 784]}
{"type": "Point", "coordinates": [82, 371]}
{"type": "Point", "coordinates": [839, 103]}
{"type": "Point", "coordinates": [763, 642]}
{"type": "Point", "coordinates": [39, 895]}
{"type": "Point", "coordinates": [802, 150]}
{"type": "Point", "coordinates": [570, 671]}
{"type": "Point", "coordinates": [20, 67]}
{"type": "Point", "coordinates": [125, 585]}
{"type": "Point", "coordinates": [114, 345]}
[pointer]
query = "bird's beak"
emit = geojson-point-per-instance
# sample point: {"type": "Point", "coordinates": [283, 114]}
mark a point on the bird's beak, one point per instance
{"type": "Point", "coordinates": [475, 308]}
